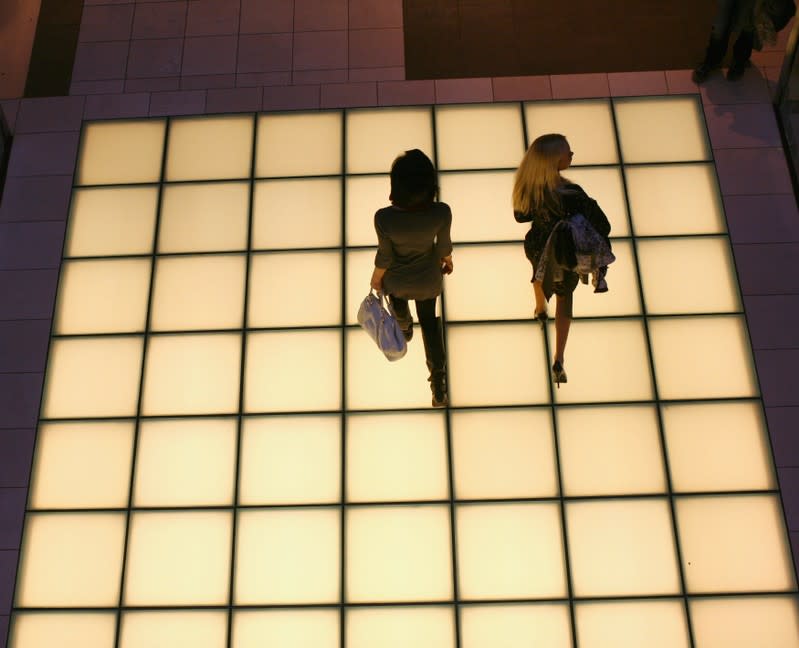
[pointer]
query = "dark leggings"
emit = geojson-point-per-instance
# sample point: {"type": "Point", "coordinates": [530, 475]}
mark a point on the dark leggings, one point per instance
{"type": "Point", "coordinates": [431, 328]}
{"type": "Point", "coordinates": [720, 36]}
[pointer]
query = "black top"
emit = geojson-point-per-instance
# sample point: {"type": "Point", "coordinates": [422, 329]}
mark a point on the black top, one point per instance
{"type": "Point", "coordinates": [573, 200]}
{"type": "Point", "coordinates": [411, 243]}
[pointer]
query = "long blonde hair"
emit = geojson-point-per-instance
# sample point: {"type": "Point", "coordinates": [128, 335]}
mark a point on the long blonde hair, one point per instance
{"type": "Point", "coordinates": [538, 176]}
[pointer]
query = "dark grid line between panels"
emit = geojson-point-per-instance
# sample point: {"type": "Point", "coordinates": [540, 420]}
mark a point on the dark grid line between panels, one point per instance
{"type": "Point", "coordinates": [344, 419]}
{"type": "Point", "coordinates": [642, 598]}
{"type": "Point", "coordinates": [556, 447]}
{"type": "Point", "coordinates": [140, 395]}
{"type": "Point", "coordinates": [653, 496]}
{"type": "Point", "coordinates": [452, 501]}
{"type": "Point", "coordinates": [242, 371]}
{"type": "Point", "coordinates": [656, 397]}
{"type": "Point", "coordinates": [399, 410]}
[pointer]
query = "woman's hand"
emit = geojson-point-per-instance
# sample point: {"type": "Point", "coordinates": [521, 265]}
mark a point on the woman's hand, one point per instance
{"type": "Point", "coordinates": [377, 279]}
{"type": "Point", "coordinates": [446, 265]}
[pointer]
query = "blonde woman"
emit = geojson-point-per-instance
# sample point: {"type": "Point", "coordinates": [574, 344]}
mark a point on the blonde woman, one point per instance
{"type": "Point", "coordinates": [543, 198]}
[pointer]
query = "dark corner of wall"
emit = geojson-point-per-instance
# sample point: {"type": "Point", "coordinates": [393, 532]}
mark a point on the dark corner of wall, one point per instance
{"type": "Point", "coordinates": [54, 47]}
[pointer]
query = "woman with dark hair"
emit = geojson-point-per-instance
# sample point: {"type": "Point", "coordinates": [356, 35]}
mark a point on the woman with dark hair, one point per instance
{"type": "Point", "coordinates": [414, 251]}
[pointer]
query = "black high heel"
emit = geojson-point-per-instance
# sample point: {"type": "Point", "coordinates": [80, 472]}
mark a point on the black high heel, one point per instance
{"type": "Point", "coordinates": [558, 374]}
{"type": "Point", "coordinates": [542, 316]}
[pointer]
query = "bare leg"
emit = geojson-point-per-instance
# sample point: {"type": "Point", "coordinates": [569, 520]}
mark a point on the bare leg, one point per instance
{"type": "Point", "coordinates": [540, 298]}
{"type": "Point", "coordinates": [563, 320]}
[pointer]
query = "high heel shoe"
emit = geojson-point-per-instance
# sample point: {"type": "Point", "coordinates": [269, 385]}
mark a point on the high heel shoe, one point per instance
{"type": "Point", "coordinates": [541, 316]}
{"type": "Point", "coordinates": [558, 374]}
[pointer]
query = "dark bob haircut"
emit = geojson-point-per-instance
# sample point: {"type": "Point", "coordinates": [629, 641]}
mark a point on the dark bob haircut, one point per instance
{"type": "Point", "coordinates": [414, 182]}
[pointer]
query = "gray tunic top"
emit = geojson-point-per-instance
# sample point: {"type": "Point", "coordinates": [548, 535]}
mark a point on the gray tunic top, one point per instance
{"type": "Point", "coordinates": [410, 245]}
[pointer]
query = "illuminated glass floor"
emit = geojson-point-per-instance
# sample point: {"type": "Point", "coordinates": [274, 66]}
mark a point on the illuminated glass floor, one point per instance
{"type": "Point", "coordinates": [224, 458]}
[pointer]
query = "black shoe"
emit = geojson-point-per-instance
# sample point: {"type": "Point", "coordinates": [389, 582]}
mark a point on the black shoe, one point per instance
{"type": "Point", "coordinates": [736, 70]}
{"type": "Point", "coordinates": [408, 333]}
{"type": "Point", "coordinates": [438, 385]}
{"type": "Point", "coordinates": [558, 374]}
{"type": "Point", "coordinates": [542, 316]}
{"type": "Point", "coordinates": [701, 73]}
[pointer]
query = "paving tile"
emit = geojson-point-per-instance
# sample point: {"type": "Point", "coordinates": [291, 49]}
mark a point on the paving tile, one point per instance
{"type": "Point", "coordinates": [375, 14]}
{"type": "Point", "coordinates": [296, 97]}
{"type": "Point", "coordinates": [777, 372]}
{"type": "Point", "coordinates": [160, 19]}
{"type": "Point", "coordinates": [161, 84]}
{"type": "Point", "coordinates": [766, 268]}
{"type": "Point", "coordinates": [773, 321]}
{"type": "Point", "coordinates": [20, 395]}
{"type": "Point", "coordinates": [742, 125]}
{"type": "Point", "coordinates": [43, 198]}
{"type": "Point", "coordinates": [463, 90]}
{"type": "Point", "coordinates": [234, 100]}
{"type": "Point", "coordinates": [629, 84]}
{"type": "Point", "coordinates": [783, 426]}
{"type": "Point", "coordinates": [772, 75]}
{"type": "Point", "coordinates": [752, 171]}
{"type": "Point", "coordinates": [12, 516]}
{"type": "Point", "coordinates": [405, 93]}
{"type": "Point", "coordinates": [212, 17]}
{"type": "Point", "coordinates": [43, 154]}
{"type": "Point", "coordinates": [117, 105]}
{"type": "Point", "coordinates": [100, 61]}
{"type": "Point", "coordinates": [680, 82]}
{"type": "Point", "coordinates": [320, 50]}
{"type": "Point", "coordinates": [795, 546]}
{"type": "Point", "coordinates": [8, 570]}
{"type": "Point", "coordinates": [521, 88]}
{"type": "Point", "coordinates": [210, 55]}
{"type": "Point", "coordinates": [264, 53]}
{"type": "Point", "coordinates": [789, 486]}
{"type": "Point", "coordinates": [23, 345]}
{"type": "Point", "coordinates": [377, 74]}
{"type": "Point", "coordinates": [151, 58]}
{"type": "Point", "coordinates": [8, 112]}
{"type": "Point", "coordinates": [263, 79]}
{"type": "Point", "coordinates": [33, 245]}
{"type": "Point", "coordinates": [267, 16]}
{"type": "Point", "coordinates": [313, 77]}
{"type": "Point", "coordinates": [772, 58]}
{"type": "Point", "coordinates": [16, 455]}
{"type": "Point", "coordinates": [96, 87]}
{"type": "Point", "coordinates": [317, 15]}
{"type": "Point", "coordinates": [342, 95]}
{"type": "Point", "coordinates": [50, 114]}
{"type": "Point", "coordinates": [27, 294]}
{"type": "Point", "coordinates": [769, 218]}
{"type": "Point", "coordinates": [752, 88]}
{"type": "Point", "coordinates": [376, 48]}
{"type": "Point", "coordinates": [106, 23]}
{"type": "Point", "coordinates": [205, 82]}
{"type": "Point", "coordinates": [182, 102]}
{"type": "Point", "coordinates": [579, 86]}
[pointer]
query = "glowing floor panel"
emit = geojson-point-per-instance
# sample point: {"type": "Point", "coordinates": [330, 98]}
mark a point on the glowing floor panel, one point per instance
{"type": "Point", "coordinates": [224, 459]}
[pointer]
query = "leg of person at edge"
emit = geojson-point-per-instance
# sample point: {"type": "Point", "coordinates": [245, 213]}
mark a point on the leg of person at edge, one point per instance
{"type": "Point", "coordinates": [754, 23]}
{"type": "Point", "coordinates": [414, 250]}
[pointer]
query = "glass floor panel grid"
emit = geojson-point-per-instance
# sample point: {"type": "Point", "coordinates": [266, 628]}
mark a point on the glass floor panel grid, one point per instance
{"type": "Point", "coordinates": [225, 460]}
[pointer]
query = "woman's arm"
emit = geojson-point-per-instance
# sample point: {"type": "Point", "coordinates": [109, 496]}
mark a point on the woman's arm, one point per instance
{"type": "Point", "coordinates": [377, 279]}
{"type": "Point", "coordinates": [446, 264]}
